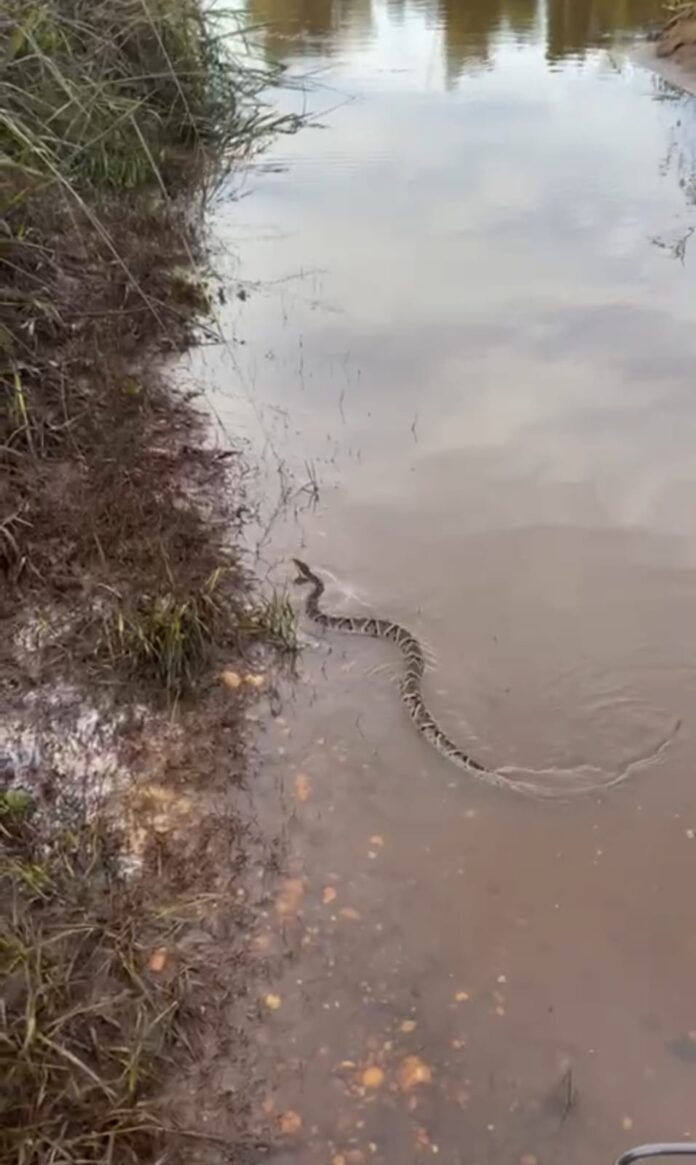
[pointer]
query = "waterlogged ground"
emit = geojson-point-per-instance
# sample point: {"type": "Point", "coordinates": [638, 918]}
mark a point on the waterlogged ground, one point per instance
{"type": "Point", "coordinates": [469, 321]}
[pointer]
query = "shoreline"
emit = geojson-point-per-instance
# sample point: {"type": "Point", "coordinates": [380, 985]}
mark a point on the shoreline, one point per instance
{"type": "Point", "coordinates": [668, 70]}
{"type": "Point", "coordinates": [671, 53]}
{"type": "Point", "coordinates": [133, 640]}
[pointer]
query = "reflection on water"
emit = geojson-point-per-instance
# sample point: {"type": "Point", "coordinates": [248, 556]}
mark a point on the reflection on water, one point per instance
{"type": "Point", "coordinates": [470, 28]}
{"type": "Point", "coordinates": [471, 313]}
{"type": "Point", "coordinates": [296, 27]}
{"type": "Point", "coordinates": [573, 26]}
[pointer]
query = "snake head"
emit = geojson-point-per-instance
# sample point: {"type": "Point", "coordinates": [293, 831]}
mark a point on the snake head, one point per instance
{"type": "Point", "coordinates": [304, 574]}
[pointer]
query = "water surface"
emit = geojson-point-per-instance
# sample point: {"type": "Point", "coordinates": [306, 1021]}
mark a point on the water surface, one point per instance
{"type": "Point", "coordinates": [469, 317]}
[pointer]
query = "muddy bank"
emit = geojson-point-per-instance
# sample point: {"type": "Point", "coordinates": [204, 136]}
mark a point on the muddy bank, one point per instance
{"type": "Point", "coordinates": [671, 52]}
{"type": "Point", "coordinates": [131, 639]}
{"type": "Point", "coordinates": [677, 40]}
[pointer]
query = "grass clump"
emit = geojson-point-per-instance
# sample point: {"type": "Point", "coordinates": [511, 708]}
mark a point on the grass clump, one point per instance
{"type": "Point", "coordinates": [15, 803]}
{"type": "Point", "coordinates": [170, 638]}
{"type": "Point", "coordinates": [106, 93]}
{"type": "Point", "coordinates": [274, 620]}
{"type": "Point", "coordinates": [166, 637]}
{"type": "Point", "coordinates": [86, 1026]}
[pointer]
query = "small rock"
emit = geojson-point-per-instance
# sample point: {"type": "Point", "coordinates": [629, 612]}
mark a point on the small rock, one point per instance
{"type": "Point", "coordinates": [290, 896]}
{"type": "Point", "coordinates": [157, 960]}
{"type": "Point", "coordinates": [290, 1123]}
{"type": "Point", "coordinates": [372, 1077]}
{"type": "Point", "coordinates": [302, 787]}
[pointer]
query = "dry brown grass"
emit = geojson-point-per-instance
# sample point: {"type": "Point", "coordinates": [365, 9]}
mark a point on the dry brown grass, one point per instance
{"type": "Point", "coordinates": [115, 116]}
{"type": "Point", "coordinates": [86, 1025]}
{"type": "Point", "coordinates": [100, 258]}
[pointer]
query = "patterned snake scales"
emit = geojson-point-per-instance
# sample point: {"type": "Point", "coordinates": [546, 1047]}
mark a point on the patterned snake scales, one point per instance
{"type": "Point", "coordinates": [415, 704]}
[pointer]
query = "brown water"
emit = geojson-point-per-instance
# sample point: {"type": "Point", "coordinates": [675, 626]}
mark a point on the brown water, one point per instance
{"type": "Point", "coordinates": [471, 314]}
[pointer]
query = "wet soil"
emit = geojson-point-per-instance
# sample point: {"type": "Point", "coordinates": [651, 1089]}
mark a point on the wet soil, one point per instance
{"type": "Point", "coordinates": [123, 604]}
{"type": "Point", "coordinates": [677, 40]}
{"type": "Point", "coordinates": [671, 51]}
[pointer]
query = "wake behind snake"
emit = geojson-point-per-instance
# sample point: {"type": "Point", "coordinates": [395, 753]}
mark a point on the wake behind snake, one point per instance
{"type": "Point", "coordinates": [427, 726]}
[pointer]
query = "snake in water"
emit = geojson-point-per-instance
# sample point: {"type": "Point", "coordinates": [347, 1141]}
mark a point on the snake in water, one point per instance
{"type": "Point", "coordinates": [427, 726]}
{"type": "Point", "coordinates": [410, 685]}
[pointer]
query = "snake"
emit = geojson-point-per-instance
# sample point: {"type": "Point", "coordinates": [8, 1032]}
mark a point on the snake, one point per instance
{"type": "Point", "coordinates": [422, 718]}
{"type": "Point", "coordinates": [411, 680]}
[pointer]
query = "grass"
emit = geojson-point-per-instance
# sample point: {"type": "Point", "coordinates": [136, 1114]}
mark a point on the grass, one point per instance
{"type": "Point", "coordinates": [86, 1026]}
{"type": "Point", "coordinates": [274, 620]}
{"type": "Point", "coordinates": [97, 99]}
{"type": "Point", "coordinates": [117, 117]}
{"type": "Point", "coordinates": [14, 803]}
{"type": "Point", "coordinates": [106, 93]}
{"type": "Point", "coordinates": [679, 8]}
{"type": "Point", "coordinates": [165, 637]}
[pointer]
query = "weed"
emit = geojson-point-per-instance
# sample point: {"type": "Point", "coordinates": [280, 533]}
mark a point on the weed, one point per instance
{"type": "Point", "coordinates": [275, 621]}
{"type": "Point", "coordinates": [85, 1026]}
{"type": "Point", "coordinates": [106, 94]}
{"type": "Point", "coordinates": [165, 637]}
{"type": "Point", "coordinates": [116, 119]}
{"type": "Point", "coordinates": [15, 803]}
{"type": "Point", "coordinates": [311, 486]}
{"type": "Point", "coordinates": [114, 114]}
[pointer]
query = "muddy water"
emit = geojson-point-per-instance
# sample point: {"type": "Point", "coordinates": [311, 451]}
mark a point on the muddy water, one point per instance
{"type": "Point", "coordinates": [469, 320]}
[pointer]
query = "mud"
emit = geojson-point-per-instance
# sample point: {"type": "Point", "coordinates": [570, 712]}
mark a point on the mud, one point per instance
{"type": "Point", "coordinates": [677, 40]}
{"type": "Point", "coordinates": [671, 51]}
{"type": "Point", "coordinates": [124, 610]}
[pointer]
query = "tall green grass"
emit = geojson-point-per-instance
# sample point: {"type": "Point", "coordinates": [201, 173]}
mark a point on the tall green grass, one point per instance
{"type": "Point", "coordinates": [113, 115]}
{"type": "Point", "coordinates": [101, 99]}
{"type": "Point", "coordinates": [107, 93]}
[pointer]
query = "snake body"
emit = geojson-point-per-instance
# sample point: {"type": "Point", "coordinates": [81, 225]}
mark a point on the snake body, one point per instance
{"type": "Point", "coordinates": [430, 730]}
{"type": "Point", "coordinates": [410, 685]}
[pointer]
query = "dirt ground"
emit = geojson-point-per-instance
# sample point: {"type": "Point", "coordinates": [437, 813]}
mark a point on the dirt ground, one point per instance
{"type": "Point", "coordinates": [132, 647]}
{"type": "Point", "coordinates": [677, 40]}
